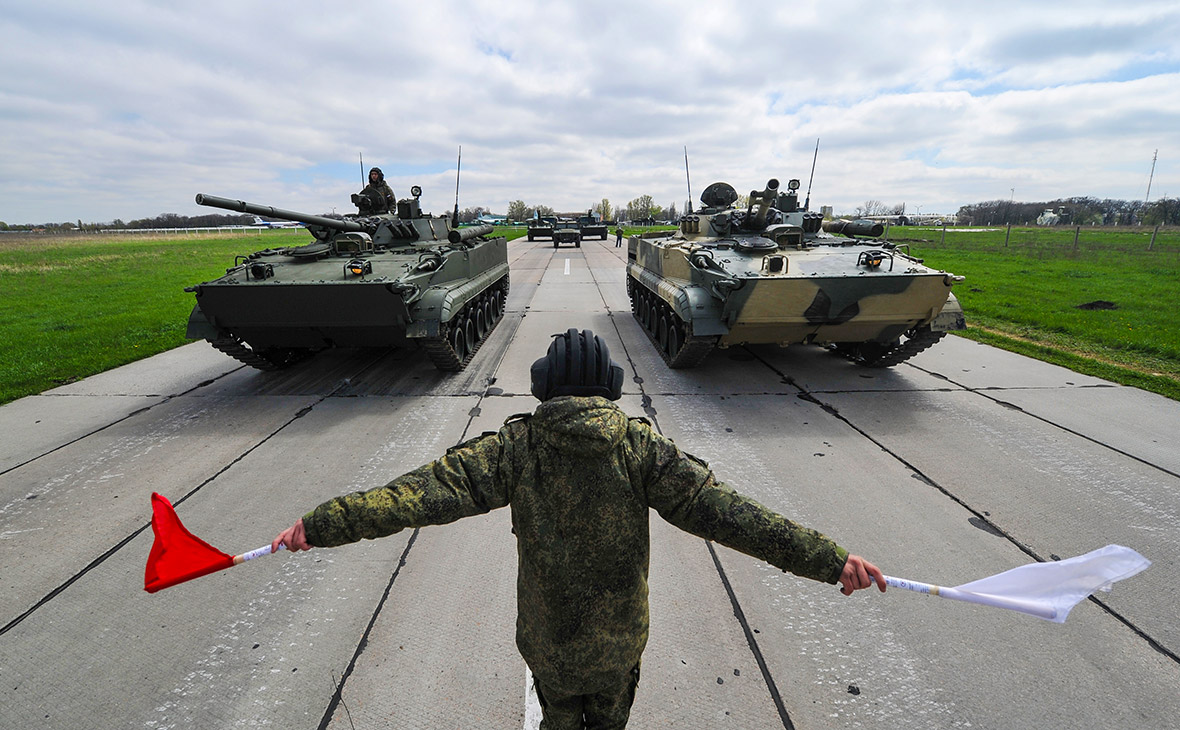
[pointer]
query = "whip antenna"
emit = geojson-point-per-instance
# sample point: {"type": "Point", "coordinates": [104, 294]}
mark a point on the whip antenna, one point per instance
{"type": "Point", "coordinates": [687, 179]}
{"type": "Point", "coordinates": [807, 202]}
{"type": "Point", "coordinates": [459, 164]}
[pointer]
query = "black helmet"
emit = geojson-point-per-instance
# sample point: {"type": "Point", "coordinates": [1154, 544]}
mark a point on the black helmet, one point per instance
{"type": "Point", "coordinates": [380, 175]}
{"type": "Point", "coordinates": [578, 363]}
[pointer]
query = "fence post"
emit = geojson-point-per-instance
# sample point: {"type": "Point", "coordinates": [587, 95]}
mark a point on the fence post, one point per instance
{"type": "Point", "coordinates": [1076, 232]}
{"type": "Point", "coordinates": [1152, 242]}
{"type": "Point", "coordinates": [943, 242]}
{"type": "Point", "coordinates": [1006, 234]}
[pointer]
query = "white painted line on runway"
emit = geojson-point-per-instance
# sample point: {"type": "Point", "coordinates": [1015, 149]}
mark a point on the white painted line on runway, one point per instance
{"type": "Point", "coordinates": [532, 706]}
{"type": "Point", "coordinates": [567, 267]}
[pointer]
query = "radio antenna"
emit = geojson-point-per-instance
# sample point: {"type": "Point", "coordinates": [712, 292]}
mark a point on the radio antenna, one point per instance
{"type": "Point", "coordinates": [687, 179]}
{"type": "Point", "coordinates": [458, 165]}
{"type": "Point", "coordinates": [363, 180]}
{"type": "Point", "coordinates": [807, 202]}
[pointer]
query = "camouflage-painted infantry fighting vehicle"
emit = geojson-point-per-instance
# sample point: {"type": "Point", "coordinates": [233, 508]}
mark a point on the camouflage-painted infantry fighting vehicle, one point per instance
{"type": "Point", "coordinates": [378, 280]}
{"type": "Point", "coordinates": [777, 273]}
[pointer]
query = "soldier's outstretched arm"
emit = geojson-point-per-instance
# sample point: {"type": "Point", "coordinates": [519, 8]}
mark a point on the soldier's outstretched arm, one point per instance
{"type": "Point", "coordinates": [468, 480]}
{"type": "Point", "coordinates": [685, 492]}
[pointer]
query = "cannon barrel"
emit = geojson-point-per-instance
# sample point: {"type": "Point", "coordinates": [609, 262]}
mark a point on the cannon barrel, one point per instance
{"type": "Point", "coordinates": [456, 235]}
{"type": "Point", "coordinates": [287, 215]}
{"type": "Point", "coordinates": [765, 199]}
{"type": "Point", "coordinates": [844, 227]}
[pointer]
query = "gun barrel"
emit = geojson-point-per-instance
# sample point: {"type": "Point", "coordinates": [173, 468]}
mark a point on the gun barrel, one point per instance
{"type": "Point", "coordinates": [462, 234]}
{"type": "Point", "coordinates": [287, 215]}
{"type": "Point", "coordinates": [844, 227]}
{"type": "Point", "coordinates": [765, 198]}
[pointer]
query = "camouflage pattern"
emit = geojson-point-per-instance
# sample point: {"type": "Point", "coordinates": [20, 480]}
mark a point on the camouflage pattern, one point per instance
{"type": "Point", "coordinates": [771, 274]}
{"type": "Point", "coordinates": [364, 281]}
{"type": "Point", "coordinates": [580, 477]}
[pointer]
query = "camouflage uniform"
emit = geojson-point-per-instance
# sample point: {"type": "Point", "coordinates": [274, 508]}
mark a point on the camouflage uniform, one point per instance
{"type": "Point", "coordinates": [580, 477]}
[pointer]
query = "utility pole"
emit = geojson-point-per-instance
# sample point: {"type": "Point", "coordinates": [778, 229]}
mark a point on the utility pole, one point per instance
{"type": "Point", "coordinates": [1150, 177]}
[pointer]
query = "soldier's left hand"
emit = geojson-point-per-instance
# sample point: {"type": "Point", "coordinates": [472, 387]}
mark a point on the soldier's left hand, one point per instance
{"type": "Point", "coordinates": [859, 573]}
{"type": "Point", "coordinates": [294, 538]}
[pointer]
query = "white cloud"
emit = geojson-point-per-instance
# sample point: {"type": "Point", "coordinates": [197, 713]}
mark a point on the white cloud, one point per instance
{"type": "Point", "coordinates": [128, 109]}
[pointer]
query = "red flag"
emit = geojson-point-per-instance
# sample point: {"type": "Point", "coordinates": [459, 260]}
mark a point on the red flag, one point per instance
{"type": "Point", "coordinates": [177, 555]}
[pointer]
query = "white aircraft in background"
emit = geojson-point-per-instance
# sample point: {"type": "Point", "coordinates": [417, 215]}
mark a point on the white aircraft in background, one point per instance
{"type": "Point", "coordinates": [276, 224]}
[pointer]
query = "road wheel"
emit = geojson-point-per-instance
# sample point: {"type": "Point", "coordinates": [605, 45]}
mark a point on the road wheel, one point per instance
{"type": "Point", "coordinates": [481, 319]}
{"type": "Point", "coordinates": [459, 339]}
{"type": "Point", "coordinates": [469, 330]}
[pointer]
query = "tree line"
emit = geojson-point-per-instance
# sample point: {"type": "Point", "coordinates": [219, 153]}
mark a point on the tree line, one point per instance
{"type": "Point", "coordinates": [1074, 211]}
{"type": "Point", "coordinates": [643, 209]}
{"type": "Point", "coordinates": [164, 220]}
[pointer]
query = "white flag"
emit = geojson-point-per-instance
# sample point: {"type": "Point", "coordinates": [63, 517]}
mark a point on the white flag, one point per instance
{"type": "Point", "coordinates": [1044, 590]}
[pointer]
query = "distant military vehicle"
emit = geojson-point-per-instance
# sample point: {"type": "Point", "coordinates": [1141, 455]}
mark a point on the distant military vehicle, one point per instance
{"type": "Point", "coordinates": [541, 227]}
{"type": "Point", "coordinates": [591, 226]}
{"type": "Point", "coordinates": [367, 280]}
{"type": "Point", "coordinates": [776, 273]}
{"type": "Point", "coordinates": [566, 231]}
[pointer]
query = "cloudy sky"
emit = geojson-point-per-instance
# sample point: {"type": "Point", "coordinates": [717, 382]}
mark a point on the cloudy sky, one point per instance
{"type": "Point", "coordinates": [125, 109]}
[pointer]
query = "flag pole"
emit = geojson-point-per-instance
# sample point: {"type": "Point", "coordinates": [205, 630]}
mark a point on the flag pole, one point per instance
{"type": "Point", "coordinates": [1013, 604]}
{"type": "Point", "coordinates": [264, 550]}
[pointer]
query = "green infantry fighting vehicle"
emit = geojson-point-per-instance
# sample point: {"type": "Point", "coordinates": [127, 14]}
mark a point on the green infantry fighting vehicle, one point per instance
{"type": "Point", "coordinates": [777, 273]}
{"type": "Point", "coordinates": [369, 280]}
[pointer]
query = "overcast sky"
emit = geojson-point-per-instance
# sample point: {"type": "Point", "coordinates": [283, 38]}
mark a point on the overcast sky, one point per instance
{"type": "Point", "coordinates": [124, 110]}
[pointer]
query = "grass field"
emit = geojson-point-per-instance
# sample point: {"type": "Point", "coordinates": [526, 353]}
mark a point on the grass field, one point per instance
{"type": "Point", "coordinates": [73, 307]}
{"type": "Point", "coordinates": [1104, 307]}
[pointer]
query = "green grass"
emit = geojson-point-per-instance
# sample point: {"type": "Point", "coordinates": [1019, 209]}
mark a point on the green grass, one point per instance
{"type": "Point", "coordinates": [1026, 296]}
{"type": "Point", "coordinates": [73, 307]}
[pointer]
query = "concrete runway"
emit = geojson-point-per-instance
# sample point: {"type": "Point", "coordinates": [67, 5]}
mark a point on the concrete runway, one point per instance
{"type": "Point", "coordinates": [961, 463]}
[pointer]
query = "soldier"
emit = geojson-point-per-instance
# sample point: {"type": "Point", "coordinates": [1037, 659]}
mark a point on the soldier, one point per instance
{"type": "Point", "coordinates": [580, 477]}
{"type": "Point", "coordinates": [618, 236]}
{"type": "Point", "coordinates": [379, 193]}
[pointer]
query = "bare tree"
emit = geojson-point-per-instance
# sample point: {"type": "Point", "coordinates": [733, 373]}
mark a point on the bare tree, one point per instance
{"type": "Point", "coordinates": [870, 207]}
